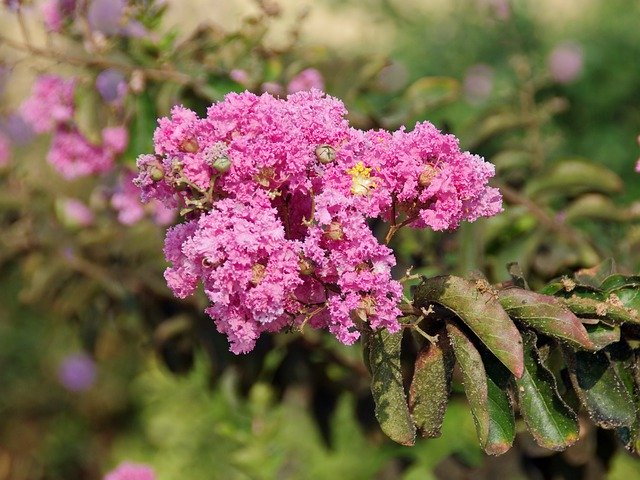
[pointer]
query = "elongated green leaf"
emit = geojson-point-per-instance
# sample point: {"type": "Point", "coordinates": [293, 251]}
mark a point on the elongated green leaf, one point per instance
{"type": "Point", "coordinates": [606, 311]}
{"type": "Point", "coordinates": [546, 314]}
{"type": "Point", "coordinates": [573, 176]}
{"type": "Point", "coordinates": [616, 281]}
{"type": "Point", "coordinates": [430, 389]}
{"type": "Point", "coordinates": [490, 407]}
{"type": "Point", "coordinates": [602, 334]}
{"type": "Point", "coordinates": [600, 389]}
{"type": "Point", "coordinates": [391, 409]}
{"type": "Point", "coordinates": [549, 419]}
{"type": "Point", "coordinates": [143, 125]}
{"type": "Point", "coordinates": [627, 365]}
{"type": "Point", "coordinates": [502, 424]}
{"type": "Point", "coordinates": [480, 309]}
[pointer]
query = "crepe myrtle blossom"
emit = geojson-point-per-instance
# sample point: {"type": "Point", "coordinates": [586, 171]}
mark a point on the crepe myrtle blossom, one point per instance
{"type": "Point", "coordinates": [131, 471]}
{"type": "Point", "coordinates": [277, 195]}
{"type": "Point", "coordinates": [50, 104]}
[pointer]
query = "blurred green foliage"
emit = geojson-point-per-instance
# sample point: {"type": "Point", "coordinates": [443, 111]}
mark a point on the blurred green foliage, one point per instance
{"type": "Point", "coordinates": [167, 392]}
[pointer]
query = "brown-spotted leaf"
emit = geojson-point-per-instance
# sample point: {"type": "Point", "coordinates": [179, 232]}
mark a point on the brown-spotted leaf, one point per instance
{"type": "Point", "coordinates": [478, 307]}
{"type": "Point", "coordinates": [609, 311]}
{"type": "Point", "coordinates": [387, 388]}
{"type": "Point", "coordinates": [430, 388]}
{"type": "Point", "coordinates": [546, 314]}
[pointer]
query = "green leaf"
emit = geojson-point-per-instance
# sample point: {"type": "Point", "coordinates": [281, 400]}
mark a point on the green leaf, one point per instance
{"type": "Point", "coordinates": [89, 116]}
{"type": "Point", "coordinates": [478, 307]}
{"type": "Point", "coordinates": [427, 93]}
{"type": "Point", "coordinates": [602, 334]}
{"type": "Point", "coordinates": [490, 406]}
{"type": "Point", "coordinates": [387, 388]}
{"type": "Point", "coordinates": [430, 389]}
{"type": "Point", "coordinates": [571, 177]}
{"type": "Point", "coordinates": [603, 311]}
{"type": "Point", "coordinates": [143, 124]}
{"type": "Point", "coordinates": [594, 206]}
{"type": "Point", "coordinates": [549, 419]}
{"type": "Point", "coordinates": [546, 314]}
{"type": "Point", "coordinates": [600, 389]}
{"type": "Point", "coordinates": [617, 280]}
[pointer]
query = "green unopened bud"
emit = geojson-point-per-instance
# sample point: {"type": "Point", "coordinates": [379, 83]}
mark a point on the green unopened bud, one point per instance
{"type": "Point", "coordinates": [156, 174]}
{"type": "Point", "coordinates": [222, 164]}
{"type": "Point", "coordinates": [334, 231]}
{"type": "Point", "coordinates": [325, 154]}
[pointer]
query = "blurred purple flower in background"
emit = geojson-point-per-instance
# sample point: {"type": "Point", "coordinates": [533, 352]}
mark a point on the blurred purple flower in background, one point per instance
{"type": "Point", "coordinates": [5, 150]}
{"type": "Point", "coordinates": [499, 9]}
{"type": "Point", "coordinates": [274, 88]}
{"type": "Point", "coordinates": [478, 83]}
{"type": "Point", "coordinates": [106, 15]}
{"type": "Point", "coordinates": [17, 129]}
{"type": "Point", "coordinates": [131, 471]}
{"type": "Point", "coordinates": [565, 62]}
{"type": "Point", "coordinates": [306, 80]}
{"type": "Point", "coordinates": [240, 76]}
{"type": "Point", "coordinates": [77, 372]}
{"type": "Point", "coordinates": [112, 85]}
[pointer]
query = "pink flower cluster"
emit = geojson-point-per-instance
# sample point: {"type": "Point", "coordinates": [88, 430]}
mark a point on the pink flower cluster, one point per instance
{"type": "Point", "coordinates": [276, 196]}
{"type": "Point", "coordinates": [52, 108]}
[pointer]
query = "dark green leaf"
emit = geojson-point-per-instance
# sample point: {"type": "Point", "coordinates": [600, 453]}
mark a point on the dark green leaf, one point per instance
{"type": "Point", "coordinates": [490, 406]}
{"type": "Point", "coordinates": [143, 125]}
{"type": "Point", "coordinates": [479, 308]}
{"type": "Point", "coordinates": [616, 281]}
{"type": "Point", "coordinates": [391, 409]}
{"type": "Point", "coordinates": [430, 389]}
{"type": "Point", "coordinates": [600, 389]}
{"type": "Point", "coordinates": [571, 177]}
{"type": "Point", "coordinates": [549, 419]}
{"type": "Point", "coordinates": [602, 334]}
{"type": "Point", "coordinates": [546, 314]}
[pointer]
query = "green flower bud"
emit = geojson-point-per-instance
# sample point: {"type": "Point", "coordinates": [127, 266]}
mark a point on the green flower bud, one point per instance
{"type": "Point", "coordinates": [222, 164]}
{"type": "Point", "coordinates": [325, 154]}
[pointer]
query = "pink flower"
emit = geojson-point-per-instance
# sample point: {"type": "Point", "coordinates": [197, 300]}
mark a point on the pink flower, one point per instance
{"type": "Point", "coordinates": [5, 150]}
{"type": "Point", "coordinates": [638, 166]}
{"type": "Point", "coordinates": [131, 471]}
{"type": "Point", "coordinates": [74, 156]}
{"type": "Point", "coordinates": [115, 139]}
{"type": "Point", "coordinates": [75, 213]}
{"type": "Point", "coordinates": [126, 201]}
{"type": "Point", "coordinates": [51, 103]}
{"type": "Point", "coordinates": [306, 80]}
{"type": "Point", "coordinates": [566, 62]}
{"type": "Point", "coordinates": [239, 76]}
